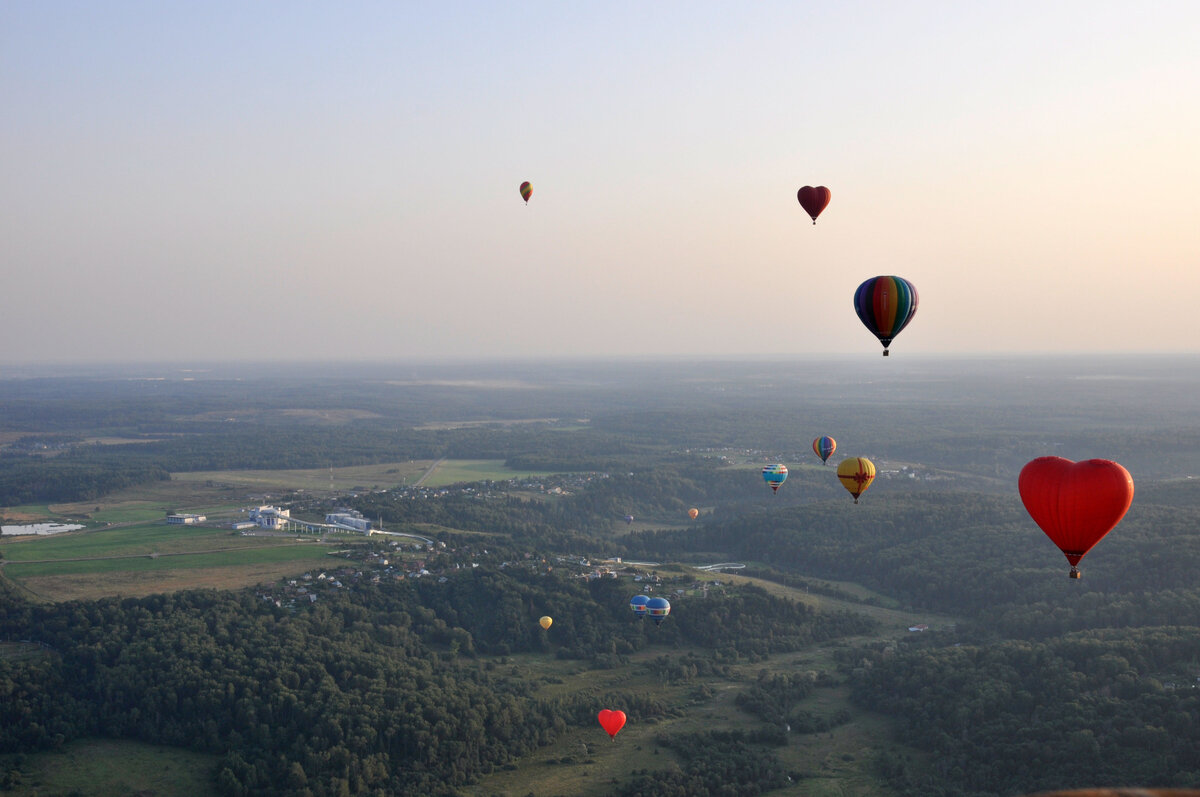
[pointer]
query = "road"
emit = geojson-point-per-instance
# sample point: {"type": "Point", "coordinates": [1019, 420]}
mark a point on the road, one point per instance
{"type": "Point", "coordinates": [428, 473]}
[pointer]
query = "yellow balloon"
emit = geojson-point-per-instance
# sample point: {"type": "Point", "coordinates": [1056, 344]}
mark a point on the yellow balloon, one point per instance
{"type": "Point", "coordinates": [545, 622]}
{"type": "Point", "coordinates": [856, 475]}
{"type": "Point", "coordinates": [693, 513]}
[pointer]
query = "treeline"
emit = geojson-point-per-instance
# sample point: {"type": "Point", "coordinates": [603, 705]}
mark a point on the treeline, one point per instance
{"type": "Point", "coordinates": [714, 764]}
{"type": "Point", "coordinates": [35, 480]}
{"type": "Point", "coordinates": [1091, 709]}
{"type": "Point", "coordinates": [373, 691]}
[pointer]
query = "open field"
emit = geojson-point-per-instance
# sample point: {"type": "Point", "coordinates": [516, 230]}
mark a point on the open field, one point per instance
{"type": "Point", "coordinates": [453, 471]}
{"type": "Point", "coordinates": [384, 476]}
{"type": "Point", "coordinates": [109, 768]}
{"type": "Point", "coordinates": [133, 584]}
{"type": "Point", "coordinates": [149, 558]}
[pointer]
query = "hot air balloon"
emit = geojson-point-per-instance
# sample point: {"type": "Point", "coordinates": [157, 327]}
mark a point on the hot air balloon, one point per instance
{"type": "Point", "coordinates": [526, 191]}
{"type": "Point", "coordinates": [1075, 503]}
{"type": "Point", "coordinates": [628, 519]}
{"type": "Point", "coordinates": [638, 604]}
{"type": "Point", "coordinates": [658, 609]}
{"type": "Point", "coordinates": [545, 622]}
{"type": "Point", "coordinates": [693, 513]}
{"type": "Point", "coordinates": [612, 721]}
{"type": "Point", "coordinates": [886, 305]}
{"type": "Point", "coordinates": [813, 200]}
{"type": "Point", "coordinates": [856, 475]}
{"type": "Point", "coordinates": [824, 448]}
{"type": "Point", "coordinates": [774, 475]}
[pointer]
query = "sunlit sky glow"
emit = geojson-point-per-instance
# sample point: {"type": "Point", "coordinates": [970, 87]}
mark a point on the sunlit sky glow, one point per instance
{"type": "Point", "coordinates": [264, 181]}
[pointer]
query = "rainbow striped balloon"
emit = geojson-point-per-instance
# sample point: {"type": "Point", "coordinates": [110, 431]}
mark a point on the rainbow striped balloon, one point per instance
{"type": "Point", "coordinates": [824, 448]}
{"type": "Point", "coordinates": [885, 305]}
{"type": "Point", "coordinates": [526, 191]}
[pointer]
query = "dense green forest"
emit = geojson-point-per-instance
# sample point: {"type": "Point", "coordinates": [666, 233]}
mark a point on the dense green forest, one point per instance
{"type": "Point", "coordinates": [413, 686]}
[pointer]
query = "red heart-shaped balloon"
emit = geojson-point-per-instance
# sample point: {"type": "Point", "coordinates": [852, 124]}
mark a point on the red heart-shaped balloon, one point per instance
{"type": "Point", "coordinates": [612, 721]}
{"type": "Point", "coordinates": [1075, 503]}
{"type": "Point", "coordinates": [813, 200]}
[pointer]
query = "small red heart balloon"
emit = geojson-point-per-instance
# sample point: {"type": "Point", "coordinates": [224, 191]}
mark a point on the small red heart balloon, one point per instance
{"type": "Point", "coordinates": [813, 200]}
{"type": "Point", "coordinates": [1075, 503]}
{"type": "Point", "coordinates": [612, 721]}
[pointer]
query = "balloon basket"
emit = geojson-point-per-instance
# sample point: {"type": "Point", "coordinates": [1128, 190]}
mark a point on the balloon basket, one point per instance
{"type": "Point", "coordinates": [1075, 573]}
{"type": "Point", "coordinates": [885, 352]}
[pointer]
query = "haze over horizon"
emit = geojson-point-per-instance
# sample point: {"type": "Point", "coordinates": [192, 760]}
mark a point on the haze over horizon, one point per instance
{"type": "Point", "coordinates": [233, 183]}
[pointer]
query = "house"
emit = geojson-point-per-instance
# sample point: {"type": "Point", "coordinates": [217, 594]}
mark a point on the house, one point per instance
{"type": "Point", "coordinates": [185, 520]}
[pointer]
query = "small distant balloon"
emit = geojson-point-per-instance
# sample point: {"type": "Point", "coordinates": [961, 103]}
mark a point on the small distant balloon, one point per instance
{"type": "Point", "coordinates": [824, 448]}
{"type": "Point", "coordinates": [526, 191]}
{"type": "Point", "coordinates": [774, 475]}
{"type": "Point", "coordinates": [612, 721]}
{"type": "Point", "coordinates": [545, 622]}
{"type": "Point", "coordinates": [628, 519]}
{"type": "Point", "coordinates": [638, 604]}
{"type": "Point", "coordinates": [856, 475]}
{"type": "Point", "coordinates": [885, 305]}
{"type": "Point", "coordinates": [658, 609]}
{"type": "Point", "coordinates": [813, 200]}
{"type": "Point", "coordinates": [693, 513]}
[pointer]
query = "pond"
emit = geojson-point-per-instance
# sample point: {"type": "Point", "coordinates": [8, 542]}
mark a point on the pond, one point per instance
{"type": "Point", "coordinates": [40, 528]}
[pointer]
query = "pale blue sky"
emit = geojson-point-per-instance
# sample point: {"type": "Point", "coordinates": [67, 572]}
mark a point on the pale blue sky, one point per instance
{"type": "Point", "coordinates": [317, 180]}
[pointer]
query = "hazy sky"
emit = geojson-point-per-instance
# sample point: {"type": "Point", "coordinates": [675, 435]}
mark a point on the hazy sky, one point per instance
{"type": "Point", "coordinates": [254, 181]}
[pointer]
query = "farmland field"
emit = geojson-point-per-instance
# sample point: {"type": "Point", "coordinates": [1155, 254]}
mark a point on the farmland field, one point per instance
{"type": "Point", "coordinates": [154, 557]}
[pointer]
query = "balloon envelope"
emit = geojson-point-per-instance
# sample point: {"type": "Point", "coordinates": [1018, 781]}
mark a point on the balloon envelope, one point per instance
{"type": "Point", "coordinates": [545, 622]}
{"type": "Point", "coordinates": [1075, 503]}
{"type": "Point", "coordinates": [824, 448]}
{"type": "Point", "coordinates": [813, 200]}
{"type": "Point", "coordinates": [693, 513]}
{"type": "Point", "coordinates": [612, 721]}
{"type": "Point", "coordinates": [856, 475]}
{"type": "Point", "coordinates": [885, 305]}
{"type": "Point", "coordinates": [628, 519]}
{"type": "Point", "coordinates": [774, 475]}
{"type": "Point", "coordinates": [658, 609]}
{"type": "Point", "coordinates": [527, 191]}
{"type": "Point", "coordinates": [638, 604]}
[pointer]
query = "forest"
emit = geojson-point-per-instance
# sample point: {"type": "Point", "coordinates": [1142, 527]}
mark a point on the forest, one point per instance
{"type": "Point", "coordinates": [420, 686]}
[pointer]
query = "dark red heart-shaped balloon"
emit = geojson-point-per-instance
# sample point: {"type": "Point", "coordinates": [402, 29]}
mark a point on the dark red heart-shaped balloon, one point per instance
{"type": "Point", "coordinates": [612, 721]}
{"type": "Point", "coordinates": [813, 200]}
{"type": "Point", "coordinates": [1075, 503]}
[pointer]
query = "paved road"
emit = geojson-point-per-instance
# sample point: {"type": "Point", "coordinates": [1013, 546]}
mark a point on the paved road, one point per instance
{"type": "Point", "coordinates": [428, 473]}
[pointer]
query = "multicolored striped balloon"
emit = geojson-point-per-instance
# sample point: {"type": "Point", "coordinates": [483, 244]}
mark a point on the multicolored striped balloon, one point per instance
{"type": "Point", "coordinates": [526, 191]}
{"type": "Point", "coordinates": [824, 447]}
{"type": "Point", "coordinates": [886, 305]}
{"type": "Point", "coordinates": [856, 475]}
{"type": "Point", "coordinates": [774, 475]}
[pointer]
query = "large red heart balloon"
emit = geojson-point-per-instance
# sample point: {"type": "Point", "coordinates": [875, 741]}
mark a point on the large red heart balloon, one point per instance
{"type": "Point", "coordinates": [1075, 503]}
{"type": "Point", "coordinates": [612, 721]}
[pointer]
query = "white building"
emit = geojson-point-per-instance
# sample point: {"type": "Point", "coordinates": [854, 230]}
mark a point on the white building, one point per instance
{"type": "Point", "coordinates": [185, 520]}
{"type": "Point", "coordinates": [349, 520]}
{"type": "Point", "coordinates": [270, 517]}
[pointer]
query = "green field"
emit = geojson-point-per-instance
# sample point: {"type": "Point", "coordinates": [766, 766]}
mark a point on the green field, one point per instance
{"type": "Point", "coordinates": [384, 476]}
{"type": "Point", "coordinates": [110, 768]}
{"type": "Point", "coordinates": [154, 557]}
{"type": "Point", "coordinates": [455, 471]}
